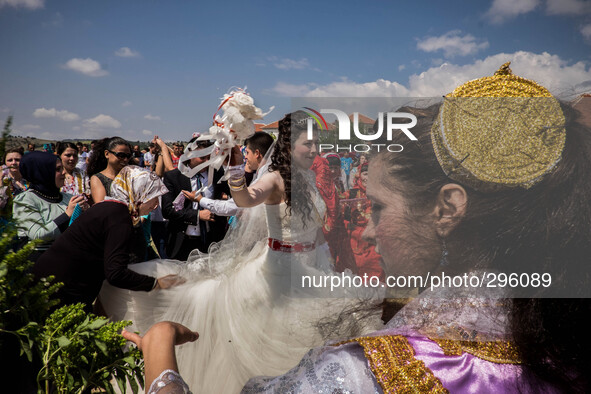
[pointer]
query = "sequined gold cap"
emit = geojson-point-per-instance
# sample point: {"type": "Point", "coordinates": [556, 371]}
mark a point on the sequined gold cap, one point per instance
{"type": "Point", "coordinates": [498, 132]}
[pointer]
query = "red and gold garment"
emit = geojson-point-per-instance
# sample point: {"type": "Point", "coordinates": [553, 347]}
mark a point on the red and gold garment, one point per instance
{"type": "Point", "coordinates": [357, 212]}
{"type": "Point", "coordinates": [334, 229]}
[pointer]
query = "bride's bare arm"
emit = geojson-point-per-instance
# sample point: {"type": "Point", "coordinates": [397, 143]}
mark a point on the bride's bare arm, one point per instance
{"type": "Point", "coordinates": [265, 190]}
{"type": "Point", "coordinates": [269, 189]}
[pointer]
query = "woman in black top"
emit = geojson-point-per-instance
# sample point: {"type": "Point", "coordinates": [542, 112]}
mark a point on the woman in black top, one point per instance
{"type": "Point", "coordinates": [107, 159]}
{"type": "Point", "coordinates": [97, 245]}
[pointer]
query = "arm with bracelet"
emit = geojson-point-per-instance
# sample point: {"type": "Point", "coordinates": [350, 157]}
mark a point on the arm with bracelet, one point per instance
{"type": "Point", "coordinates": [269, 189]}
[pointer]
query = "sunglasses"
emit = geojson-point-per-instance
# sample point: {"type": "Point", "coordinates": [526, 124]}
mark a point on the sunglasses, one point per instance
{"type": "Point", "coordinates": [121, 155]}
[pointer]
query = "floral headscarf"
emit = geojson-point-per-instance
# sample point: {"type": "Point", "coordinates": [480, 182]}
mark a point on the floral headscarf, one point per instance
{"type": "Point", "coordinates": [134, 185]}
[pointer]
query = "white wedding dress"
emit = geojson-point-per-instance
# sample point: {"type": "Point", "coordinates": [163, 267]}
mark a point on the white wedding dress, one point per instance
{"type": "Point", "coordinates": [253, 316]}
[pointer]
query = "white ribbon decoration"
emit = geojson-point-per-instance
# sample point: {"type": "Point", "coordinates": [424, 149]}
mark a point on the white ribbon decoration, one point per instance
{"type": "Point", "coordinates": [235, 124]}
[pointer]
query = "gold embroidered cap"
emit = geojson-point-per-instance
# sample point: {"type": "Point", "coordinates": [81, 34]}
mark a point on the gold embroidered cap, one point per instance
{"type": "Point", "coordinates": [498, 132]}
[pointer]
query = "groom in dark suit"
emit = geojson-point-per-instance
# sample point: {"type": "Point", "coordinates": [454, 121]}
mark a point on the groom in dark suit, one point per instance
{"type": "Point", "coordinates": [192, 227]}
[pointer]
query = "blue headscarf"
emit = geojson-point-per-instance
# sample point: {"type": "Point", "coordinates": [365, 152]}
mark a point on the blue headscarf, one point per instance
{"type": "Point", "coordinates": [39, 169]}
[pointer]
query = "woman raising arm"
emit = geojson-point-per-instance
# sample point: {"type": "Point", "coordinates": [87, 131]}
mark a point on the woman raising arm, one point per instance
{"type": "Point", "coordinates": [275, 186]}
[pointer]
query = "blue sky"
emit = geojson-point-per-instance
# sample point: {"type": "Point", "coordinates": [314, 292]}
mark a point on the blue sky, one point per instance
{"type": "Point", "coordinates": [89, 69]}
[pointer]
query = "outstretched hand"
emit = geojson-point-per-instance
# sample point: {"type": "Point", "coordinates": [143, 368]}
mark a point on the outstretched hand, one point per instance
{"type": "Point", "coordinates": [169, 281]}
{"type": "Point", "coordinates": [158, 344]}
{"type": "Point", "coordinates": [236, 157]}
{"type": "Point", "coordinates": [167, 331]}
{"type": "Point", "coordinates": [193, 196]}
{"type": "Point", "coordinates": [157, 141]}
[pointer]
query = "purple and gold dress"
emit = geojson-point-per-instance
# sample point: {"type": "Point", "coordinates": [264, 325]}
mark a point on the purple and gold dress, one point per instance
{"type": "Point", "coordinates": [434, 344]}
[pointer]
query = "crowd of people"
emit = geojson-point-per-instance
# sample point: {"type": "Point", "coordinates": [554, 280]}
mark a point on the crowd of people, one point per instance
{"type": "Point", "coordinates": [89, 177]}
{"type": "Point", "coordinates": [468, 196]}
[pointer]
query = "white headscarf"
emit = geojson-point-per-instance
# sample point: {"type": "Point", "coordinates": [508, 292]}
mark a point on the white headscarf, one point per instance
{"type": "Point", "coordinates": [134, 185]}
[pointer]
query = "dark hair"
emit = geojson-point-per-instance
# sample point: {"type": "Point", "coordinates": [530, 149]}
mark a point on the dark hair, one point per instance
{"type": "Point", "coordinates": [544, 228]}
{"type": "Point", "coordinates": [333, 160]}
{"type": "Point", "coordinates": [97, 161]}
{"type": "Point", "coordinates": [290, 128]}
{"type": "Point", "coordinates": [260, 141]}
{"type": "Point", "coordinates": [20, 150]}
{"type": "Point", "coordinates": [62, 146]}
{"type": "Point", "coordinates": [200, 144]}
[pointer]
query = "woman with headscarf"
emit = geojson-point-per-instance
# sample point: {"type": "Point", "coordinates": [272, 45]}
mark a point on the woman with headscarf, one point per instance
{"type": "Point", "coordinates": [98, 244]}
{"type": "Point", "coordinates": [43, 212]}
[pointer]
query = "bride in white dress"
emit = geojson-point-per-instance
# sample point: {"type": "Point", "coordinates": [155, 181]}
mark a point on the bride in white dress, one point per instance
{"type": "Point", "coordinates": [246, 297]}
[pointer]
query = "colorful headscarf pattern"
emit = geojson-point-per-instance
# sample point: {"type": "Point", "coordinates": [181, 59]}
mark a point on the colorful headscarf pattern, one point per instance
{"type": "Point", "coordinates": [134, 185]}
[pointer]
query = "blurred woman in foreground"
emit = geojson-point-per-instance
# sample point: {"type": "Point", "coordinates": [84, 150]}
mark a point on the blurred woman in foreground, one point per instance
{"type": "Point", "coordinates": [496, 183]}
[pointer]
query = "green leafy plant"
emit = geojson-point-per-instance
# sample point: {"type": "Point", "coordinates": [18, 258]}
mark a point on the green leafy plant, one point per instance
{"type": "Point", "coordinates": [75, 351]}
{"type": "Point", "coordinates": [5, 133]}
{"type": "Point", "coordinates": [23, 301]}
{"type": "Point", "coordinates": [82, 351]}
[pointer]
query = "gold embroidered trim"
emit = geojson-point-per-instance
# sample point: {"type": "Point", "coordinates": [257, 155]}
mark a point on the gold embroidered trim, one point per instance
{"type": "Point", "coordinates": [391, 358]}
{"type": "Point", "coordinates": [499, 352]}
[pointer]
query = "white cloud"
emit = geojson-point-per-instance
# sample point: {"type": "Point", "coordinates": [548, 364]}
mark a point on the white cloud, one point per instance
{"type": "Point", "coordinates": [102, 122]}
{"type": "Point", "coordinates": [291, 90]}
{"type": "Point", "coordinates": [87, 66]}
{"type": "Point", "coordinates": [289, 64]}
{"type": "Point", "coordinates": [452, 44]}
{"type": "Point", "coordinates": [345, 88]}
{"type": "Point", "coordinates": [586, 31]}
{"type": "Point", "coordinates": [559, 76]}
{"type": "Point", "coordinates": [28, 127]}
{"type": "Point", "coordinates": [148, 132]}
{"type": "Point", "coordinates": [152, 117]}
{"type": "Point", "coordinates": [54, 113]}
{"type": "Point", "coordinates": [30, 4]}
{"type": "Point", "coordinates": [567, 7]}
{"type": "Point", "coordinates": [401, 67]}
{"type": "Point", "coordinates": [126, 103]}
{"type": "Point", "coordinates": [502, 10]}
{"type": "Point", "coordinates": [127, 52]}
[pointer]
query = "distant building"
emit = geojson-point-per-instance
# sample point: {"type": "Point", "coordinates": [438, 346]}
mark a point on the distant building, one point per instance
{"type": "Point", "coordinates": [365, 123]}
{"type": "Point", "coordinates": [271, 128]}
{"type": "Point", "coordinates": [583, 105]}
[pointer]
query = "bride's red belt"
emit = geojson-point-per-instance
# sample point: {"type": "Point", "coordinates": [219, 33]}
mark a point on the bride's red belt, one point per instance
{"type": "Point", "coordinates": [291, 247]}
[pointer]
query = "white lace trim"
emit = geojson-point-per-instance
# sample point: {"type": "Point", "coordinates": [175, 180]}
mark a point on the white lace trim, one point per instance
{"type": "Point", "coordinates": [169, 382]}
